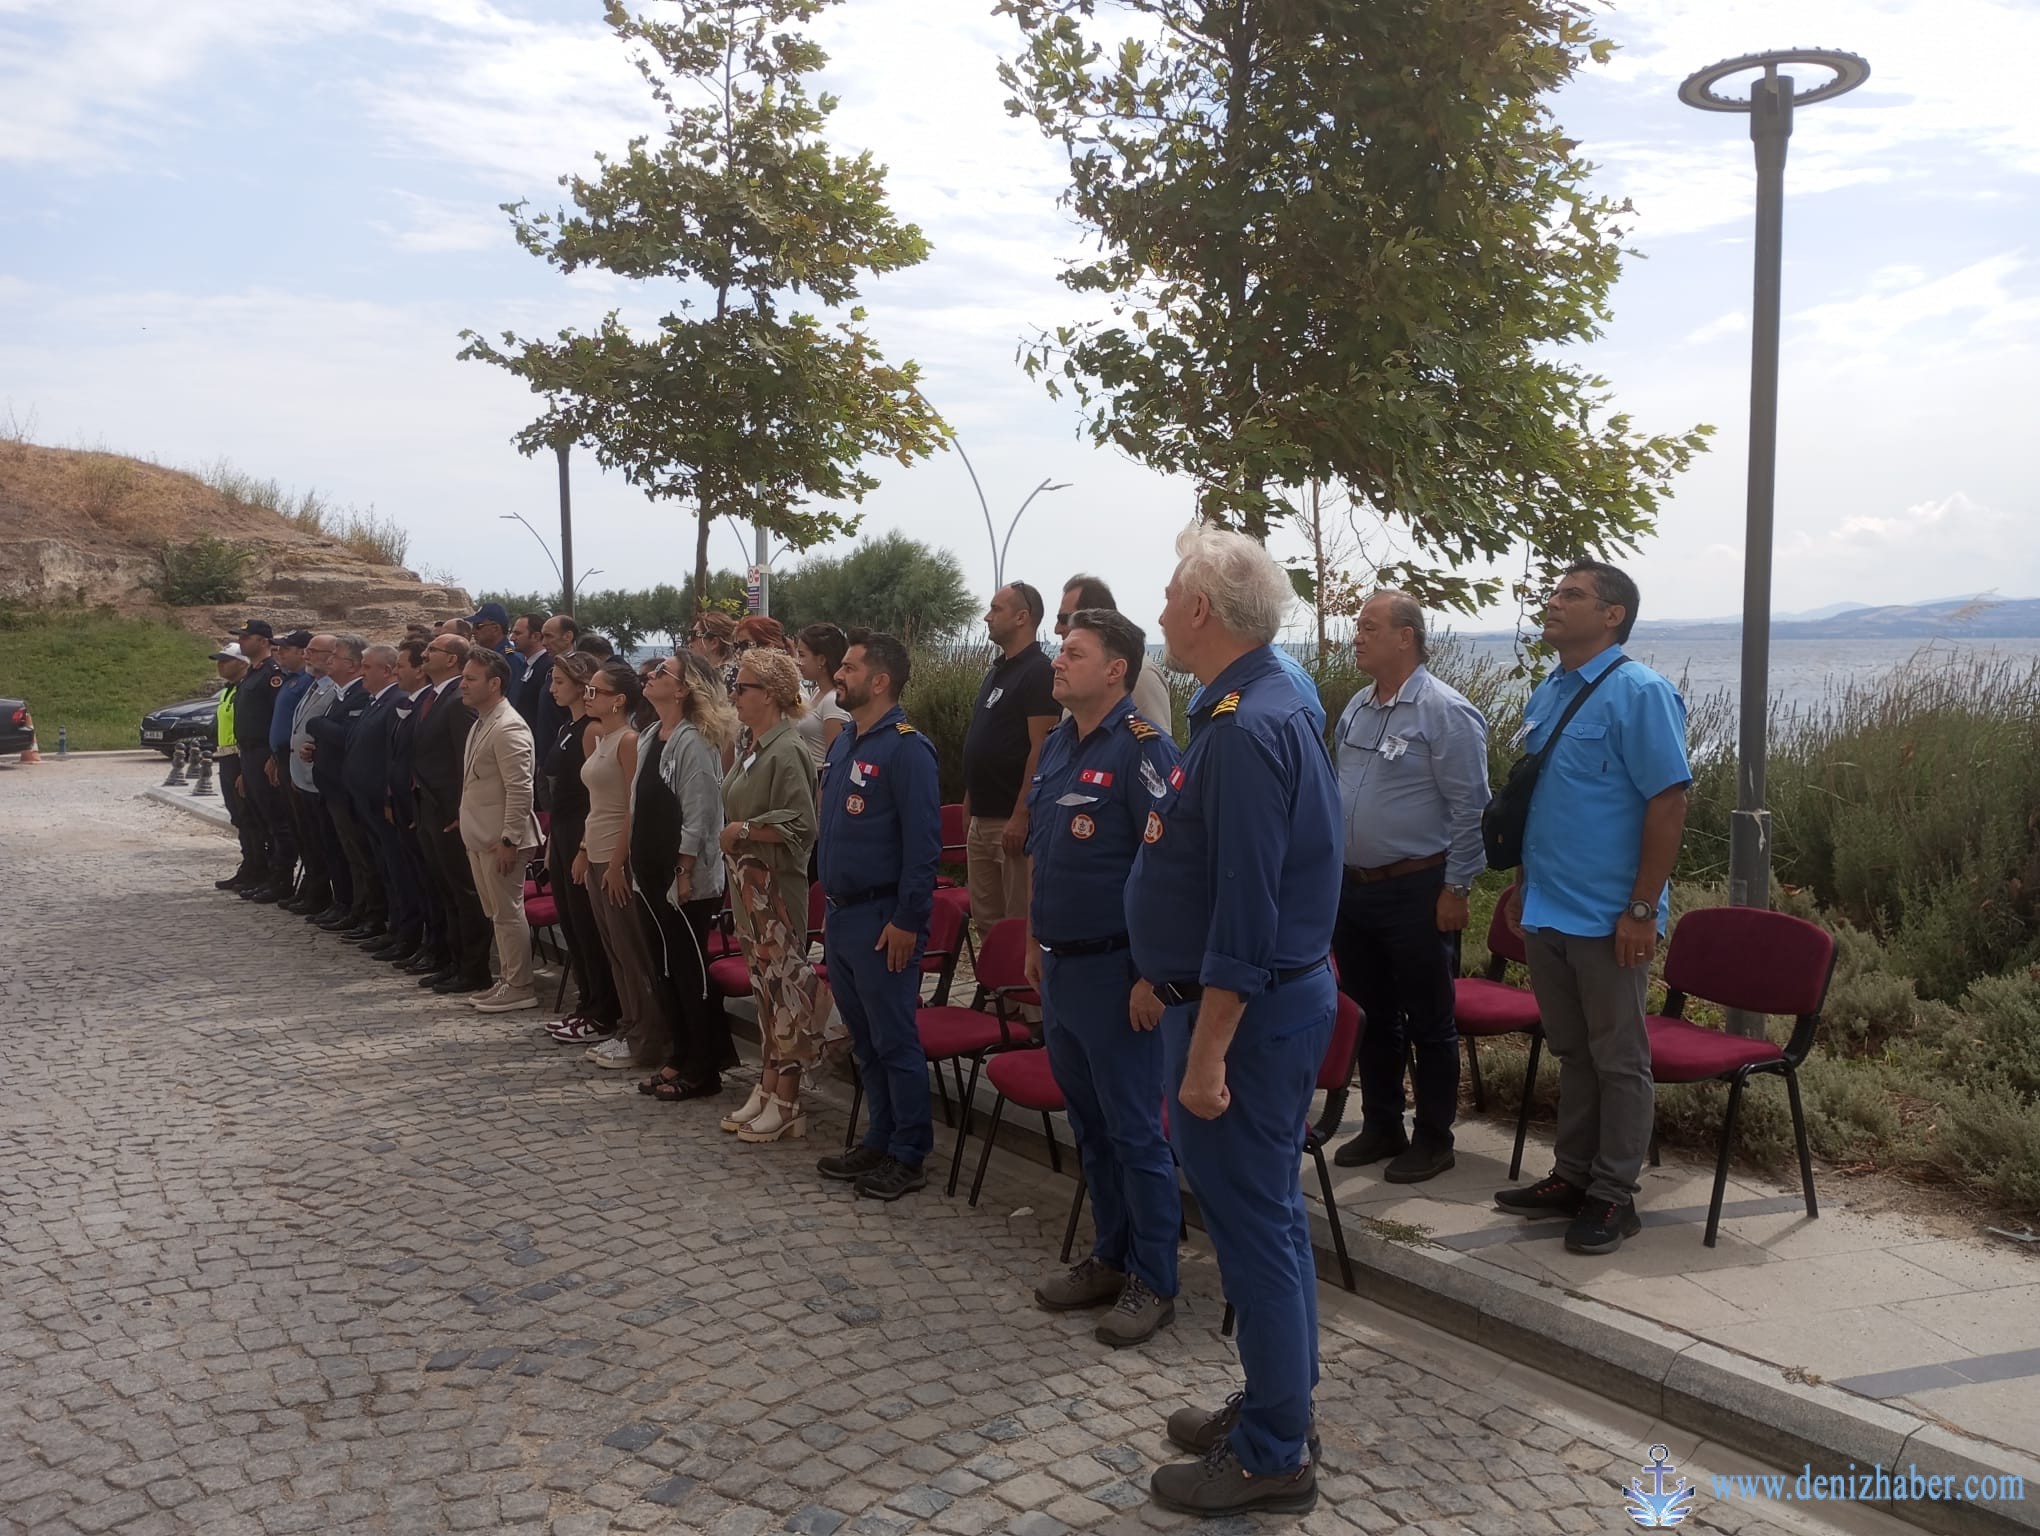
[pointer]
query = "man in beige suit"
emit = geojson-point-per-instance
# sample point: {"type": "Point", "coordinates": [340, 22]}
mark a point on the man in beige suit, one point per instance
{"type": "Point", "coordinates": [496, 824]}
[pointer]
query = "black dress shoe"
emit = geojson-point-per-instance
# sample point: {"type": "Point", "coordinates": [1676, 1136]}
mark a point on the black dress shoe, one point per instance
{"type": "Point", "coordinates": [264, 895]}
{"type": "Point", "coordinates": [464, 984]}
{"type": "Point", "coordinates": [444, 973]}
{"type": "Point", "coordinates": [389, 944]}
{"type": "Point", "coordinates": [1371, 1146]}
{"type": "Point", "coordinates": [427, 963]}
{"type": "Point", "coordinates": [403, 959]}
{"type": "Point", "coordinates": [233, 882]}
{"type": "Point", "coordinates": [1423, 1160]}
{"type": "Point", "coordinates": [364, 933]}
{"type": "Point", "coordinates": [338, 922]}
{"type": "Point", "coordinates": [323, 913]}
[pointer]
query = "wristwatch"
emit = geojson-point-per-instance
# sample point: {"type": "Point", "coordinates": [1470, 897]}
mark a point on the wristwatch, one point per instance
{"type": "Point", "coordinates": [510, 843]}
{"type": "Point", "coordinates": [1640, 911]}
{"type": "Point", "coordinates": [1458, 891]}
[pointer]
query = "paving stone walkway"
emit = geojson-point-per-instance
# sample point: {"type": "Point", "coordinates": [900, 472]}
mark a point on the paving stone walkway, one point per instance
{"type": "Point", "coordinates": [286, 1246]}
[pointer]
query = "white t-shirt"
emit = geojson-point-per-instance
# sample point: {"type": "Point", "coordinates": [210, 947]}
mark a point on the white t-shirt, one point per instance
{"type": "Point", "coordinates": [812, 727]}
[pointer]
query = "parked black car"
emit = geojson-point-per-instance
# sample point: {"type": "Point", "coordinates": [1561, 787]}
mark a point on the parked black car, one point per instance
{"type": "Point", "coordinates": [194, 720]}
{"type": "Point", "coordinates": [17, 730]}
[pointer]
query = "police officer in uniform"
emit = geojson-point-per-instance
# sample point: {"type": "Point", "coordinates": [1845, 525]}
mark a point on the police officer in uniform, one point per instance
{"type": "Point", "coordinates": [881, 838]}
{"type": "Point", "coordinates": [1230, 910]}
{"type": "Point", "coordinates": [1103, 770]}
{"type": "Point", "coordinates": [261, 775]}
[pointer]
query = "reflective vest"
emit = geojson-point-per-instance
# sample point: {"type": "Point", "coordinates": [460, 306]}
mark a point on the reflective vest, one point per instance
{"type": "Point", "coordinates": [225, 718]}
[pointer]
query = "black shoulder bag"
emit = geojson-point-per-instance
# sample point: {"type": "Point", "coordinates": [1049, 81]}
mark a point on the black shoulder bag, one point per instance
{"type": "Point", "coordinates": [1507, 816]}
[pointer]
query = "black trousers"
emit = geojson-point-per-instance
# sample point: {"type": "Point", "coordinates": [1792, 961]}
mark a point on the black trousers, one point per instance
{"type": "Point", "coordinates": [589, 961]}
{"type": "Point", "coordinates": [677, 938]}
{"type": "Point", "coordinates": [466, 936]}
{"type": "Point", "coordinates": [247, 826]}
{"type": "Point", "coordinates": [339, 874]}
{"type": "Point", "coordinates": [271, 806]}
{"type": "Point", "coordinates": [304, 818]}
{"type": "Point", "coordinates": [357, 846]}
{"type": "Point", "coordinates": [406, 900]}
{"type": "Point", "coordinates": [1398, 967]}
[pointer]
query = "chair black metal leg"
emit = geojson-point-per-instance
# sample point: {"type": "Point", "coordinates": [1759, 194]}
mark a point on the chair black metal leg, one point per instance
{"type": "Point", "coordinates": [962, 1097]}
{"type": "Point", "coordinates": [856, 1104]}
{"type": "Point", "coordinates": [1076, 1210]}
{"type": "Point", "coordinates": [1473, 1071]}
{"type": "Point", "coordinates": [1054, 1152]}
{"type": "Point", "coordinates": [1799, 1134]}
{"type": "Point", "coordinates": [991, 1135]}
{"type": "Point", "coordinates": [560, 996]}
{"type": "Point", "coordinates": [1225, 1326]}
{"type": "Point", "coordinates": [1324, 1178]}
{"type": "Point", "coordinates": [963, 1131]}
{"type": "Point", "coordinates": [1523, 1109]}
{"type": "Point", "coordinates": [1735, 1088]}
{"type": "Point", "coordinates": [942, 1091]}
{"type": "Point", "coordinates": [1653, 1146]}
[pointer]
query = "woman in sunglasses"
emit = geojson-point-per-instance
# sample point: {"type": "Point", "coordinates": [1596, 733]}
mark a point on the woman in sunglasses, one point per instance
{"type": "Point", "coordinates": [676, 823]}
{"type": "Point", "coordinates": [769, 824]}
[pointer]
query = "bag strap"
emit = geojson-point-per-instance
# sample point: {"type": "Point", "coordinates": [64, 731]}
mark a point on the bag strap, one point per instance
{"type": "Point", "coordinates": [1573, 708]}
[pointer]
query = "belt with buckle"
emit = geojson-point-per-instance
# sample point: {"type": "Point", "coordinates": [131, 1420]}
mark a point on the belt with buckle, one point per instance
{"type": "Point", "coordinates": [861, 898]}
{"type": "Point", "coordinates": [1086, 947]}
{"type": "Point", "coordinates": [1174, 994]}
{"type": "Point", "coordinates": [1392, 871]}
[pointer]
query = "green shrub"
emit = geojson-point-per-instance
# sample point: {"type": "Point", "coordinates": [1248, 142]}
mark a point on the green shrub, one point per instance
{"type": "Point", "coordinates": [377, 539]}
{"type": "Point", "coordinates": [205, 571]}
{"type": "Point", "coordinates": [1991, 1137]}
{"type": "Point", "coordinates": [96, 674]}
{"type": "Point", "coordinates": [1996, 1035]}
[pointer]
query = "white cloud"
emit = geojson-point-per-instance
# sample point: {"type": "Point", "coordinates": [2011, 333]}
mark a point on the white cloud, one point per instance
{"type": "Point", "coordinates": [1993, 302]}
{"type": "Point", "coordinates": [1735, 323]}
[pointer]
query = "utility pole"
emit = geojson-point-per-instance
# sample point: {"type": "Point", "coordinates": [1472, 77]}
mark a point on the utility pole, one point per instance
{"type": "Point", "coordinates": [1769, 107]}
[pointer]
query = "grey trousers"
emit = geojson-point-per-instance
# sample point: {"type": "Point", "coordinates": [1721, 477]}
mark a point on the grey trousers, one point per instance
{"type": "Point", "coordinates": [1593, 1021]}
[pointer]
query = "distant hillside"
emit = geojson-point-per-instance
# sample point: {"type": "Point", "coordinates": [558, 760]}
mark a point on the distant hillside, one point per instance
{"type": "Point", "coordinates": [81, 528]}
{"type": "Point", "coordinates": [1971, 618]}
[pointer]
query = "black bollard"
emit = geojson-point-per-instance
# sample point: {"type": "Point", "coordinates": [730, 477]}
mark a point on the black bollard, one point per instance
{"type": "Point", "coordinates": [176, 779]}
{"type": "Point", "coordinates": [204, 786]}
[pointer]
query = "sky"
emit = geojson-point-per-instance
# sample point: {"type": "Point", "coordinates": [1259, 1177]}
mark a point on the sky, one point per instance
{"type": "Point", "coordinates": [248, 231]}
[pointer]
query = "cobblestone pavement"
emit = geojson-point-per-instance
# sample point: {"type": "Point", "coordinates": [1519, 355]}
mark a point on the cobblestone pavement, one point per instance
{"type": "Point", "coordinates": [288, 1247]}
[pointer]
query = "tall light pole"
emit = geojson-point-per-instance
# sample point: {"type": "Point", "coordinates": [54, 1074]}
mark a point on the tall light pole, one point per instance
{"type": "Point", "coordinates": [1770, 106]}
{"type": "Point", "coordinates": [569, 589]}
{"type": "Point", "coordinates": [999, 546]}
{"type": "Point", "coordinates": [567, 585]}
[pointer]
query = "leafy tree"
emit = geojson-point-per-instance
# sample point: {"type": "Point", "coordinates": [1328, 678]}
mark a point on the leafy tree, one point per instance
{"type": "Point", "coordinates": [669, 612]}
{"type": "Point", "coordinates": [1341, 243]}
{"type": "Point", "coordinates": [892, 583]}
{"type": "Point", "coordinates": [619, 615]}
{"type": "Point", "coordinates": [737, 405]}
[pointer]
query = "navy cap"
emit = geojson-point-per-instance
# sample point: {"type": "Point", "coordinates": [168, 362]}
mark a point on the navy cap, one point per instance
{"type": "Point", "coordinates": [491, 613]}
{"type": "Point", "coordinates": [297, 639]}
{"type": "Point", "coordinates": [256, 627]}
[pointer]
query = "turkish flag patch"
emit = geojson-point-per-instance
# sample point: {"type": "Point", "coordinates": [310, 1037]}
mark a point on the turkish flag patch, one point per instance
{"type": "Point", "coordinates": [1099, 776]}
{"type": "Point", "coordinates": [1176, 777]}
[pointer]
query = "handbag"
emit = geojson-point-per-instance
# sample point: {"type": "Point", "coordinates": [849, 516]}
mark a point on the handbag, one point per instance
{"type": "Point", "coordinates": [1507, 816]}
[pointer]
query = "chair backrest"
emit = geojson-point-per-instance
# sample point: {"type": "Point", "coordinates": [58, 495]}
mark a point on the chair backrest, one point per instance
{"type": "Point", "coordinates": [1002, 957]}
{"type": "Point", "coordinates": [1750, 958]}
{"type": "Point", "coordinates": [955, 828]}
{"type": "Point", "coordinates": [945, 924]}
{"type": "Point", "coordinates": [1336, 1070]}
{"type": "Point", "coordinates": [817, 910]}
{"type": "Point", "coordinates": [1503, 942]}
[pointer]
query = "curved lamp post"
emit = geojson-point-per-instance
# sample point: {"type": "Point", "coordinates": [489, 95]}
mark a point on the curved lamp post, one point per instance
{"type": "Point", "coordinates": [570, 592]}
{"type": "Point", "coordinates": [999, 546]}
{"type": "Point", "coordinates": [1769, 105]}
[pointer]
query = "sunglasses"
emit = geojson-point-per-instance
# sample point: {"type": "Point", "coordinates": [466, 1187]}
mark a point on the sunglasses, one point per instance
{"type": "Point", "coordinates": [592, 692]}
{"type": "Point", "coordinates": [736, 688]}
{"type": "Point", "coordinates": [1062, 620]}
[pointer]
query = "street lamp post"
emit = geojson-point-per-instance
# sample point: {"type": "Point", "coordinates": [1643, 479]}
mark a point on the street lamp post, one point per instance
{"type": "Point", "coordinates": [567, 588]}
{"type": "Point", "coordinates": [999, 546]}
{"type": "Point", "coordinates": [1770, 106]}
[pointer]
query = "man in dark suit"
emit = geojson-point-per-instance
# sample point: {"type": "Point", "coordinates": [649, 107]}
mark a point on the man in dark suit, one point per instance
{"type": "Point", "coordinates": [416, 937]}
{"type": "Point", "coordinates": [527, 639]}
{"type": "Point", "coordinates": [330, 733]}
{"type": "Point", "coordinates": [438, 747]}
{"type": "Point", "coordinates": [367, 780]}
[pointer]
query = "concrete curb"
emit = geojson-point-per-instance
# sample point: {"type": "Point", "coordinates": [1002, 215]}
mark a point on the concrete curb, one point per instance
{"type": "Point", "coordinates": [209, 808]}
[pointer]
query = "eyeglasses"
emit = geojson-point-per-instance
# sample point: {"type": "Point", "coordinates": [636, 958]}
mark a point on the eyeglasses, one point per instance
{"type": "Point", "coordinates": [592, 692]}
{"type": "Point", "coordinates": [736, 688]}
{"type": "Point", "coordinates": [1062, 620]}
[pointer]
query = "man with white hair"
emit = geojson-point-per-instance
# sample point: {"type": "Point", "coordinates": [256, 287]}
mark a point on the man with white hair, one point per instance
{"type": "Point", "coordinates": [1229, 909]}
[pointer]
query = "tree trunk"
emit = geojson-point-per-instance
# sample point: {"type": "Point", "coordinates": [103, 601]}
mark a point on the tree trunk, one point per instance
{"type": "Point", "coordinates": [704, 519]}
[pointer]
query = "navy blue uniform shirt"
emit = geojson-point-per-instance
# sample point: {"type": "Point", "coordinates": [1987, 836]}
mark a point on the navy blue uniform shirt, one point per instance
{"type": "Point", "coordinates": [1238, 873]}
{"type": "Point", "coordinates": [295, 685]}
{"type": "Point", "coordinates": [881, 802]}
{"type": "Point", "coordinates": [1085, 815]}
{"type": "Point", "coordinates": [255, 705]}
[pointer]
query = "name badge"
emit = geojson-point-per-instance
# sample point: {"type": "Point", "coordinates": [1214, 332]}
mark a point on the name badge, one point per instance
{"type": "Point", "coordinates": [1394, 747]}
{"type": "Point", "coordinates": [994, 696]}
{"type": "Point", "coordinates": [1523, 733]}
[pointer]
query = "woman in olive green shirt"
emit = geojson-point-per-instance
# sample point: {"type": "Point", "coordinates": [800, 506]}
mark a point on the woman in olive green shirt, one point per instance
{"type": "Point", "coordinates": [769, 823]}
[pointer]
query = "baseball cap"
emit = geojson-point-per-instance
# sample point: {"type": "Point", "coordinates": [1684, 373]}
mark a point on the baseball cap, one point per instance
{"type": "Point", "coordinates": [228, 652]}
{"type": "Point", "coordinates": [491, 613]}
{"type": "Point", "coordinates": [257, 627]}
{"type": "Point", "coordinates": [297, 639]}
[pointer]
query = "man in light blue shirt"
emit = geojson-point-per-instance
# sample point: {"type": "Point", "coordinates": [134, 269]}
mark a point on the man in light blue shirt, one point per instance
{"type": "Point", "coordinates": [1412, 759]}
{"type": "Point", "coordinates": [1598, 851]}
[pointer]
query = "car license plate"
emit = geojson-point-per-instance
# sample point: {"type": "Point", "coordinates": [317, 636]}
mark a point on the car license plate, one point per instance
{"type": "Point", "coordinates": [154, 735]}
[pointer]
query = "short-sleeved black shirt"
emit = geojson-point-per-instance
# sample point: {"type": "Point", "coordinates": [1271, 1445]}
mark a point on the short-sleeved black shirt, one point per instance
{"type": "Point", "coordinates": [255, 706]}
{"type": "Point", "coordinates": [995, 747]}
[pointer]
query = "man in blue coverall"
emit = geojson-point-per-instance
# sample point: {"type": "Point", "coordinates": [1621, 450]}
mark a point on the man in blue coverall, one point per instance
{"type": "Point", "coordinates": [1102, 771]}
{"type": "Point", "coordinates": [1230, 909]}
{"type": "Point", "coordinates": [881, 839]}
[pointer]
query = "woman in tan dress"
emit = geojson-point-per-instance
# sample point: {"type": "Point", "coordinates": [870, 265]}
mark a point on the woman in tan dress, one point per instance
{"type": "Point", "coordinates": [769, 823]}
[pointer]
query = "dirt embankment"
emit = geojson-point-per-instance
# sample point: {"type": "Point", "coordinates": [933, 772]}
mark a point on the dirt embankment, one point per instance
{"type": "Point", "coordinates": [88, 528]}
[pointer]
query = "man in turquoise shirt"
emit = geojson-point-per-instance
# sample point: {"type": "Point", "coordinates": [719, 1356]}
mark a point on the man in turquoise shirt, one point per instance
{"type": "Point", "coordinates": [1598, 851]}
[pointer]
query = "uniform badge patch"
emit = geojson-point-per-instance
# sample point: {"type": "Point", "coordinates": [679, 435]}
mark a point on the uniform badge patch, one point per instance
{"type": "Point", "coordinates": [276, 680]}
{"type": "Point", "coordinates": [994, 696]}
{"type": "Point", "coordinates": [905, 729]}
{"type": "Point", "coordinates": [1142, 731]}
{"type": "Point", "coordinates": [1099, 776]}
{"type": "Point", "coordinates": [1177, 778]}
{"type": "Point", "coordinates": [1153, 834]}
{"type": "Point", "coordinates": [1150, 780]}
{"type": "Point", "coordinates": [1082, 826]}
{"type": "Point", "coordinates": [854, 805]}
{"type": "Point", "coordinates": [1227, 705]}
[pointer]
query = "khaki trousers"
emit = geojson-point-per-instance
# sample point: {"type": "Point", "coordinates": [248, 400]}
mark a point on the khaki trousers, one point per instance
{"type": "Point", "coordinates": [502, 898]}
{"type": "Point", "coordinates": [998, 884]}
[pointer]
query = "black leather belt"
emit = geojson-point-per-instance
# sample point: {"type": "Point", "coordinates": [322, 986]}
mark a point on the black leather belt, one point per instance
{"type": "Point", "coordinates": [1086, 947]}
{"type": "Point", "coordinates": [1174, 994]}
{"type": "Point", "coordinates": [860, 898]}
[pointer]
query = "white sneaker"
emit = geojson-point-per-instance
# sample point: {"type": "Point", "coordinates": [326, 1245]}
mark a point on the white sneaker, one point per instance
{"type": "Point", "coordinates": [613, 1052]}
{"type": "Point", "coordinates": [506, 1000]}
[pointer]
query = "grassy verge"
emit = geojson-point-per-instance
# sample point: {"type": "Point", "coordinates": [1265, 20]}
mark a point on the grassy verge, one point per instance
{"type": "Point", "coordinates": [96, 674]}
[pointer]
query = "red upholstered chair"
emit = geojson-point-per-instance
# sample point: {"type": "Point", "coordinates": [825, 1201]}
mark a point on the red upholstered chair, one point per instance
{"type": "Point", "coordinates": [542, 916]}
{"type": "Point", "coordinates": [955, 841]}
{"type": "Point", "coordinates": [729, 976]}
{"type": "Point", "coordinates": [1022, 1077]}
{"type": "Point", "coordinates": [1487, 1005]}
{"type": "Point", "coordinates": [948, 930]}
{"type": "Point", "coordinates": [1767, 963]}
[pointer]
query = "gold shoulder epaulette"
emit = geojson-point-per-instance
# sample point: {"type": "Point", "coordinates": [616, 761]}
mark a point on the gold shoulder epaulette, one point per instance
{"type": "Point", "coordinates": [905, 729]}
{"type": "Point", "coordinates": [1142, 731]}
{"type": "Point", "coordinates": [1227, 705]}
